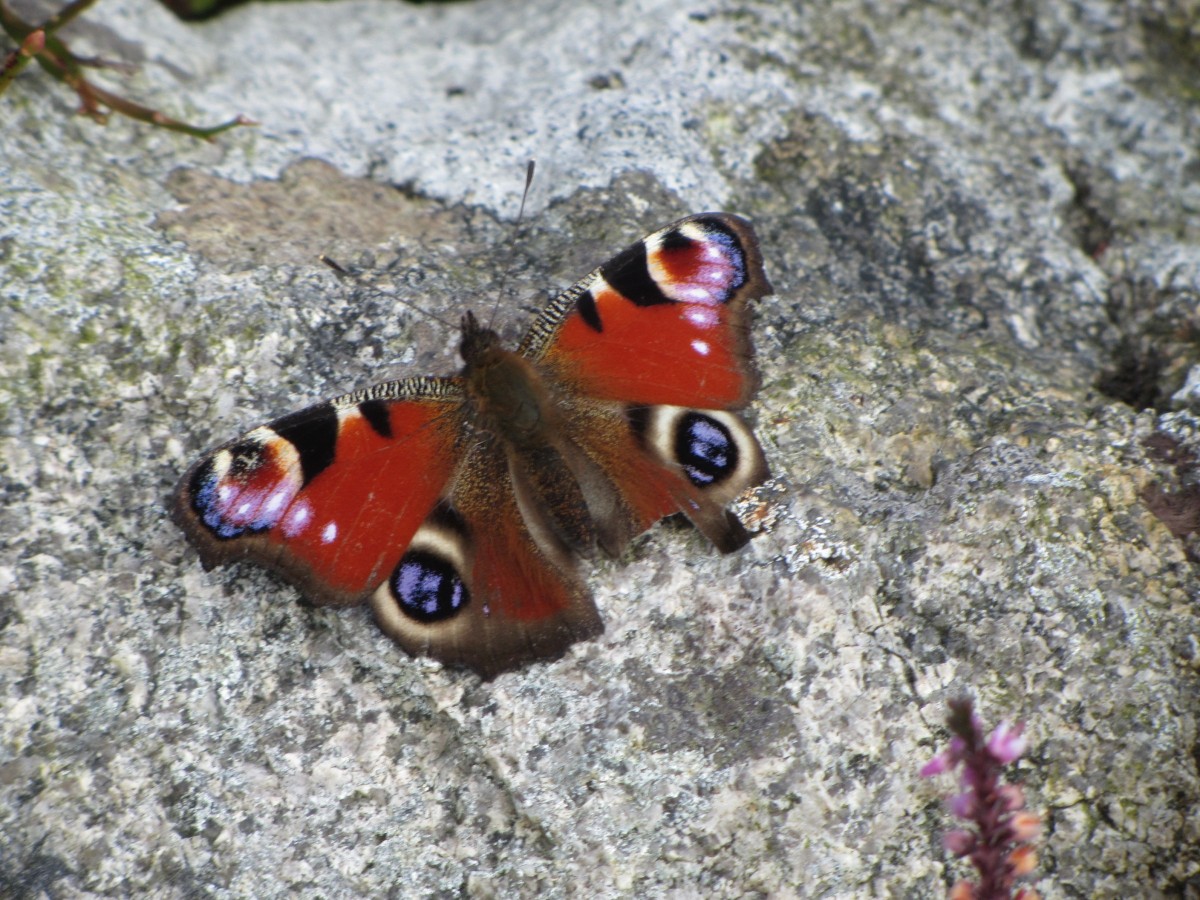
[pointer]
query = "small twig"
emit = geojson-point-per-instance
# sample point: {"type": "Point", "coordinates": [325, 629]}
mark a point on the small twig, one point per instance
{"type": "Point", "coordinates": [66, 14]}
{"type": "Point", "coordinates": [30, 47]}
{"type": "Point", "coordinates": [56, 58]}
{"type": "Point", "coordinates": [335, 265]}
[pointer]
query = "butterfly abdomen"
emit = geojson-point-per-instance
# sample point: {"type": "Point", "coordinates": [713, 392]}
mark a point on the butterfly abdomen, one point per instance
{"type": "Point", "coordinates": [510, 403]}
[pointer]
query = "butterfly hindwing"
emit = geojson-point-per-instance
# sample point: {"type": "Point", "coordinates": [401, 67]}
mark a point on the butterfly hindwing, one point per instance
{"type": "Point", "coordinates": [476, 588]}
{"type": "Point", "coordinates": [712, 456]}
{"type": "Point", "coordinates": [661, 460]}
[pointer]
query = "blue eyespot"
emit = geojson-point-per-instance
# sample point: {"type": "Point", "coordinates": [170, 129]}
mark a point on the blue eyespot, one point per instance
{"type": "Point", "coordinates": [427, 587]}
{"type": "Point", "coordinates": [705, 449]}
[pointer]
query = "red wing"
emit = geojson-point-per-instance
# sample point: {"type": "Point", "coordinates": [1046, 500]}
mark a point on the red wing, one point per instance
{"type": "Point", "coordinates": [329, 496]}
{"type": "Point", "coordinates": [663, 322]}
{"type": "Point", "coordinates": [475, 588]}
{"type": "Point", "coordinates": [660, 460]}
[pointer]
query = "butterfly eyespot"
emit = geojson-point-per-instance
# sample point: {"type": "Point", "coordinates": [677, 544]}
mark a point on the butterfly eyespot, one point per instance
{"type": "Point", "coordinates": [705, 449]}
{"type": "Point", "coordinates": [248, 487]}
{"type": "Point", "coordinates": [713, 449]}
{"type": "Point", "coordinates": [427, 587]}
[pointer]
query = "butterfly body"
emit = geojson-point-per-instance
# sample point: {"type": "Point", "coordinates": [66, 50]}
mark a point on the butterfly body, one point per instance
{"type": "Point", "coordinates": [457, 506]}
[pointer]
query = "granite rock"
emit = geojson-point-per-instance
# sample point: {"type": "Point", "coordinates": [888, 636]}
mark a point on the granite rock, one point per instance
{"type": "Point", "coordinates": [982, 226]}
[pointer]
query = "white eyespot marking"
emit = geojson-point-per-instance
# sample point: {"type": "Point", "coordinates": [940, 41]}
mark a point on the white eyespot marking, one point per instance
{"type": "Point", "coordinates": [692, 293]}
{"type": "Point", "coordinates": [329, 533]}
{"type": "Point", "coordinates": [439, 540]}
{"type": "Point", "coordinates": [701, 347]}
{"type": "Point", "coordinates": [246, 487]}
{"type": "Point", "coordinates": [702, 316]}
{"type": "Point", "coordinates": [276, 500]}
{"type": "Point", "coordinates": [426, 592]}
{"type": "Point", "coordinates": [702, 273]}
{"type": "Point", "coordinates": [715, 449]}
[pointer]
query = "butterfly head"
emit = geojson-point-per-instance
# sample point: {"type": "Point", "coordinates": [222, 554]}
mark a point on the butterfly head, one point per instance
{"type": "Point", "coordinates": [478, 342]}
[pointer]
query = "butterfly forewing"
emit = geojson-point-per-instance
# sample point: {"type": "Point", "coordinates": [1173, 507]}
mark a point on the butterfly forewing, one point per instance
{"type": "Point", "coordinates": [664, 321]}
{"type": "Point", "coordinates": [329, 496]}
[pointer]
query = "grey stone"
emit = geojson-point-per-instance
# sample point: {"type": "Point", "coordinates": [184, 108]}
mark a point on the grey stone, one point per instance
{"type": "Point", "coordinates": [981, 223]}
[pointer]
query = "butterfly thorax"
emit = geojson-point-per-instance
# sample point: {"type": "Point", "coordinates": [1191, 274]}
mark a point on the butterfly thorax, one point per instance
{"type": "Point", "coordinates": [509, 399]}
{"type": "Point", "coordinates": [506, 393]}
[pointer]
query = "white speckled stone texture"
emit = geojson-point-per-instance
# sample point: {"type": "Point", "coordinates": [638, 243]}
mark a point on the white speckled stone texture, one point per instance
{"type": "Point", "coordinates": [981, 223]}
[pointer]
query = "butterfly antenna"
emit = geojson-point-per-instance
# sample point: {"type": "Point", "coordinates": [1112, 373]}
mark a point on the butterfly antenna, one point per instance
{"type": "Point", "coordinates": [334, 264]}
{"type": "Point", "coordinates": [529, 170]}
{"type": "Point", "coordinates": [343, 272]}
{"type": "Point", "coordinates": [525, 193]}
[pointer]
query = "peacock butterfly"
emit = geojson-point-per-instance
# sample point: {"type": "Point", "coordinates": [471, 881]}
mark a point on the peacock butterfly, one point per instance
{"type": "Point", "coordinates": [458, 505]}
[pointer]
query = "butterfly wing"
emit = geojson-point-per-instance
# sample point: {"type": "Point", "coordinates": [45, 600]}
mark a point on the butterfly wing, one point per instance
{"type": "Point", "coordinates": [332, 495]}
{"type": "Point", "coordinates": [650, 356]}
{"type": "Point", "coordinates": [475, 587]}
{"type": "Point", "coordinates": [665, 321]}
{"type": "Point", "coordinates": [386, 495]}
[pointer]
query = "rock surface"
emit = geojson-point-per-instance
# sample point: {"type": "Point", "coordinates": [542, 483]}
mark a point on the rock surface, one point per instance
{"type": "Point", "coordinates": [983, 226]}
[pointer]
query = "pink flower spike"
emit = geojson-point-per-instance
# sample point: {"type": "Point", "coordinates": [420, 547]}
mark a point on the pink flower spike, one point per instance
{"type": "Point", "coordinates": [1007, 743]}
{"type": "Point", "coordinates": [970, 777]}
{"type": "Point", "coordinates": [1025, 826]}
{"type": "Point", "coordinates": [936, 766]}
{"type": "Point", "coordinates": [963, 805]}
{"type": "Point", "coordinates": [1012, 796]}
{"type": "Point", "coordinates": [959, 842]}
{"type": "Point", "coordinates": [999, 833]}
{"type": "Point", "coordinates": [1023, 860]}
